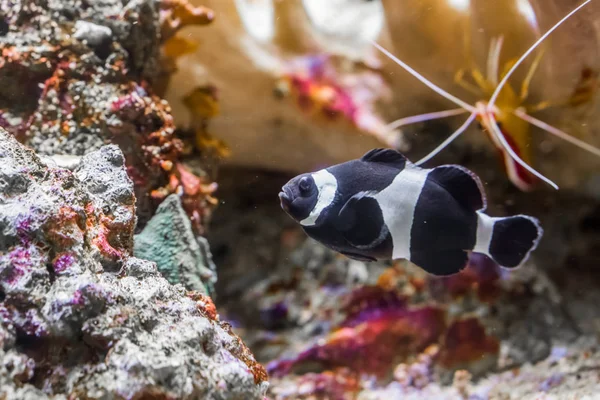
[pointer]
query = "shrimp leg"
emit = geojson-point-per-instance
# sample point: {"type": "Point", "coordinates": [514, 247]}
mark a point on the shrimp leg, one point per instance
{"type": "Point", "coordinates": [529, 76]}
{"type": "Point", "coordinates": [459, 79]}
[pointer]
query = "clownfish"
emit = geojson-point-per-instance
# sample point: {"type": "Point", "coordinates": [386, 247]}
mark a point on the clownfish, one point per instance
{"type": "Point", "coordinates": [383, 207]}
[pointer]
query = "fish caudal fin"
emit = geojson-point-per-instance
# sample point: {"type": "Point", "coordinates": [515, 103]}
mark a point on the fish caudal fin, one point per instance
{"type": "Point", "coordinates": [508, 241]}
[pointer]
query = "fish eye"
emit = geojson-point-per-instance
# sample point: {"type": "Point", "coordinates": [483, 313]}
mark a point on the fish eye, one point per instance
{"type": "Point", "coordinates": [304, 185]}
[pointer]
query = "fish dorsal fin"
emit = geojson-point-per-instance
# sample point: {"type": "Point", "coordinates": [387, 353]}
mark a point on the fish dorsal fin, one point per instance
{"type": "Point", "coordinates": [386, 156]}
{"type": "Point", "coordinates": [462, 184]}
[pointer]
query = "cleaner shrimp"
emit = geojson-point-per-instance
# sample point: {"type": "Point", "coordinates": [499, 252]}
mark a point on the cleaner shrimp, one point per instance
{"type": "Point", "coordinates": [504, 116]}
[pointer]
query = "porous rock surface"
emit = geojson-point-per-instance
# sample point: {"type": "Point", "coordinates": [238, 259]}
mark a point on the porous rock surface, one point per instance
{"type": "Point", "coordinates": [77, 74]}
{"type": "Point", "coordinates": [79, 316]}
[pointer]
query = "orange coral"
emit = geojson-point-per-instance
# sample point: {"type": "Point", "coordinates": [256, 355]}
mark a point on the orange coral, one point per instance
{"type": "Point", "coordinates": [178, 46]}
{"type": "Point", "coordinates": [202, 103]}
{"type": "Point", "coordinates": [196, 194]}
{"type": "Point", "coordinates": [175, 14]}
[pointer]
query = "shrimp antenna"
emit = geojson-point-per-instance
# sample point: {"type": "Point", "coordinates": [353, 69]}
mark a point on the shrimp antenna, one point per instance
{"type": "Point", "coordinates": [528, 52]}
{"type": "Point", "coordinates": [513, 155]}
{"type": "Point", "coordinates": [426, 81]}
{"type": "Point", "coordinates": [449, 140]}
{"type": "Point", "coordinates": [425, 117]}
{"type": "Point", "coordinates": [557, 132]}
{"type": "Point", "coordinates": [490, 104]}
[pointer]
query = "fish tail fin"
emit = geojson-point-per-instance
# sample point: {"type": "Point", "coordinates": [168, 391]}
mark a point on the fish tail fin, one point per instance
{"type": "Point", "coordinates": [508, 241]}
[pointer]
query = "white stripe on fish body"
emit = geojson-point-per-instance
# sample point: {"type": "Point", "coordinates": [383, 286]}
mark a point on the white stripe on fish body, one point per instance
{"type": "Point", "coordinates": [398, 202]}
{"type": "Point", "coordinates": [327, 186]}
{"type": "Point", "coordinates": [485, 230]}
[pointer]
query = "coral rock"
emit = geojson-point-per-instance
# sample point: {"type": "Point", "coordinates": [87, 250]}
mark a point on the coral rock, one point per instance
{"type": "Point", "coordinates": [79, 316]}
{"type": "Point", "coordinates": [74, 78]}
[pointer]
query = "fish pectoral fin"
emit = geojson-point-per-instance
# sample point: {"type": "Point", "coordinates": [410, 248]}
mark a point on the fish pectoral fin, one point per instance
{"type": "Point", "coordinates": [440, 263]}
{"type": "Point", "coordinates": [462, 184]}
{"type": "Point", "coordinates": [386, 156]}
{"type": "Point", "coordinates": [361, 223]}
{"type": "Point", "coordinates": [358, 257]}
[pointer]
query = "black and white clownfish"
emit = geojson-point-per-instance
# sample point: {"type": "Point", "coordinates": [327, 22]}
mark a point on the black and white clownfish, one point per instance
{"type": "Point", "coordinates": [383, 207]}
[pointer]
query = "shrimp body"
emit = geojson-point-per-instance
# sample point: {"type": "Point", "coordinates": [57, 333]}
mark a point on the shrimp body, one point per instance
{"type": "Point", "coordinates": [503, 116]}
{"type": "Point", "coordinates": [516, 133]}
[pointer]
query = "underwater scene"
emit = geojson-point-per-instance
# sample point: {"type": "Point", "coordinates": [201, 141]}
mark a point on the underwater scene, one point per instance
{"type": "Point", "coordinates": [300, 199]}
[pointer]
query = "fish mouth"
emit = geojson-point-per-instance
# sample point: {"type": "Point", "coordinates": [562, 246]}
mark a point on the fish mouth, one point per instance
{"type": "Point", "coordinates": [284, 200]}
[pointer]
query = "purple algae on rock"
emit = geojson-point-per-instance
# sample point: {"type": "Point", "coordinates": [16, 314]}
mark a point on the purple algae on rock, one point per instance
{"type": "Point", "coordinates": [79, 315]}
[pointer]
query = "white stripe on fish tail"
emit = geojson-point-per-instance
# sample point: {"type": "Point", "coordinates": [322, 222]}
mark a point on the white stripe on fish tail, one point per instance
{"type": "Point", "coordinates": [398, 202]}
{"type": "Point", "coordinates": [327, 187]}
{"type": "Point", "coordinates": [485, 230]}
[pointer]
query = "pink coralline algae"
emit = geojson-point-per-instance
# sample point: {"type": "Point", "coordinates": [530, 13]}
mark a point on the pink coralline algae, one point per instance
{"type": "Point", "coordinates": [373, 339]}
{"type": "Point", "coordinates": [82, 316]}
{"type": "Point", "coordinates": [315, 87]}
{"type": "Point", "coordinates": [62, 263]}
{"type": "Point", "coordinates": [320, 88]}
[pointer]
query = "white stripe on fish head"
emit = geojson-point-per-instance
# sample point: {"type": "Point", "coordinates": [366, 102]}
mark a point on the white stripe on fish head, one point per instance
{"type": "Point", "coordinates": [327, 186]}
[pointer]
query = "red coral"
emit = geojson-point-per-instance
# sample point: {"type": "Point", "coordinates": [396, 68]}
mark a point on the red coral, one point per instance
{"type": "Point", "coordinates": [374, 343]}
{"type": "Point", "coordinates": [141, 124]}
{"type": "Point", "coordinates": [466, 342]}
{"type": "Point", "coordinates": [158, 155]}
